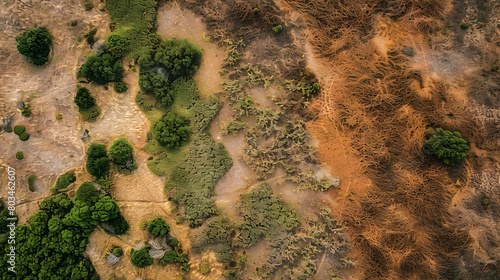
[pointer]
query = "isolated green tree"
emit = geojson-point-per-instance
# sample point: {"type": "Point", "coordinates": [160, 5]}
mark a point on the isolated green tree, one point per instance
{"type": "Point", "coordinates": [158, 227]}
{"type": "Point", "coordinates": [141, 258]}
{"type": "Point", "coordinates": [35, 44]}
{"type": "Point", "coordinates": [121, 154]}
{"type": "Point", "coordinates": [171, 131]}
{"type": "Point", "coordinates": [179, 56]}
{"type": "Point", "coordinates": [83, 99]}
{"type": "Point", "coordinates": [447, 146]}
{"type": "Point", "coordinates": [102, 69]}
{"type": "Point", "coordinates": [97, 161]}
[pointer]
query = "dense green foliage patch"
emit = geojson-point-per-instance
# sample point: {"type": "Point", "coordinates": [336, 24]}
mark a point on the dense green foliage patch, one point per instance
{"type": "Point", "coordinates": [141, 258]}
{"type": "Point", "coordinates": [19, 129]}
{"type": "Point", "coordinates": [121, 154]}
{"type": "Point", "coordinates": [216, 234]}
{"type": "Point", "coordinates": [35, 44]}
{"type": "Point", "coordinates": [97, 161]}
{"type": "Point", "coordinates": [172, 131]}
{"type": "Point", "coordinates": [64, 181]}
{"type": "Point", "coordinates": [447, 146]}
{"type": "Point", "coordinates": [102, 69]}
{"type": "Point", "coordinates": [158, 227]}
{"type": "Point", "coordinates": [52, 244]}
{"type": "Point", "coordinates": [86, 104]}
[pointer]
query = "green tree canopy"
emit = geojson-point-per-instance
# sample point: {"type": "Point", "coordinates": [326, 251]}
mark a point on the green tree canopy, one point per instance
{"type": "Point", "coordinates": [121, 151]}
{"type": "Point", "coordinates": [447, 146]}
{"type": "Point", "coordinates": [180, 57]}
{"type": "Point", "coordinates": [141, 258]}
{"type": "Point", "coordinates": [158, 227]}
{"type": "Point", "coordinates": [171, 131]}
{"type": "Point", "coordinates": [102, 69]}
{"type": "Point", "coordinates": [117, 45]}
{"type": "Point", "coordinates": [83, 99]}
{"type": "Point", "coordinates": [35, 44]}
{"type": "Point", "coordinates": [97, 160]}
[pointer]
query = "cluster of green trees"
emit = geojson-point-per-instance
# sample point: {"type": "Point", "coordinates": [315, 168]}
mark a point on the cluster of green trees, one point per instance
{"type": "Point", "coordinates": [35, 44]}
{"type": "Point", "coordinates": [171, 60]}
{"type": "Point", "coordinates": [172, 131]}
{"type": "Point", "coordinates": [121, 154]}
{"type": "Point", "coordinates": [64, 181]}
{"type": "Point", "coordinates": [447, 146]}
{"type": "Point", "coordinates": [52, 244]}
{"type": "Point", "coordinates": [86, 104]}
{"type": "Point", "coordinates": [102, 69]}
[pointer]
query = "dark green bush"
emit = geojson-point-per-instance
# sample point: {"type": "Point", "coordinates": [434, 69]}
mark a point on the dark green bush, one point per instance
{"type": "Point", "coordinates": [74, 22]}
{"type": "Point", "coordinates": [31, 182]}
{"type": "Point", "coordinates": [58, 116]}
{"type": "Point", "coordinates": [64, 181]}
{"type": "Point", "coordinates": [446, 145]}
{"type": "Point", "coordinates": [171, 131]}
{"type": "Point", "coordinates": [170, 256]}
{"type": "Point", "coordinates": [97, 161]}
{"type": "Point", "coordinates": [19, 129]}
{"type": "Point", "coordinates": [485, 202]}
{"type": "Point", "coordinates": [180, 57]}
{"type": "Point", "coordinates": [8, 129]}
{"type": "Point", "coordinates": [35, 44]}
{"type": "Point", "coordinates": [102, 69]}
{"type": "Point", "coordinates": [120, 87]}
{"type": "Point", "coordinates": [119, 225]}
{"type": "Point", "coordinates": [88, 5]}
{"type": "Point", "coordinates": [464, 26]}
{"type": "Point", "coordinates": [158, 227]}
{"type": "Point", "coordinates": [141, 258]}
{"type": "Point", "coordinates": [24, 136]}
{"type": "Point", "coordinates": [121, 154]}
{"type": "Point", "coordinates": [117, 45]}
{"type": "Point", "coordinates": [83, 99]}
{"type": "Point", "coordinates": [19, 155]}
{"type": "Point", "coordinates": [256, 11]}
{"type": "Point", "coordinates": [278, 29]}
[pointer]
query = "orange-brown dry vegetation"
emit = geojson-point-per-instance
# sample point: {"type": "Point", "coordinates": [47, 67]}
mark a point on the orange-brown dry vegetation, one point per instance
{"type": "Point", "coordinates": [374, 111]}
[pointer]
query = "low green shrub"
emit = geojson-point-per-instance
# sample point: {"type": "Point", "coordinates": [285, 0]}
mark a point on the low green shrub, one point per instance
{"type": "Point", "coordinates": [31, 182]}
{"type": "Point", "coordinates": [120, 87]}
{"type": "Point", "coordinates": [143, 224]}
{"type": "Point", "coordinates": [158, 227]}
{"type": "Point", "coordinates": [26, 111]}
{"type": "Point", "coordinates": [447, 146]}
{"type": "Point", "coordinates": [8, 129]}
{"type": "Point", "coordinates": [278, 29]}
{"type": "Point", "coordinates": [88, 5]}
{"type": "Point", "coordinates": [141, 258]}
{"type": "Point", "coordinates": [121, 154]}
{"type": "Point", "coordinates": [63, 181]}
{"type": "Point", "coordinates": [464, 26]}
{"type": "Point", "coordinates": [118, 251]}
{"type": "Point", "coordinates": [58, 116]}
{"type": "Point", "coordinates": [19, 129]}
{"type": "Point", "coordinates": [74, 22]}
{"type": "Point", "coordinates": [172, 131]}
{"type": "Point", "coordinates": [19, 155]}
{"type": "Point", "coordinates": [24, 136]}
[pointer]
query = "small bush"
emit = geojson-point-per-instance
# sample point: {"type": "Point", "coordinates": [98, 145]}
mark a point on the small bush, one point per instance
{"type": "Point", "coordinates": [8, 129]}
{"type": "Point", "coordinates": [170, 256]}
{"type": "Point", "coordinates": [120, 87]}
{"type": "Point", "coordinates": [31, 182]}
{"type": "Point", "coordinates": [117, 252]}
{"type": "Point", "coordinates": [64, 181]}
{"type": "Point", "coordinates": [19, 129]}
{"type": "Point", "coordinates": [88, 5]}
{"type": "Point", "coordinates": [464, 26]}
{"type": "Point", "coordinates": [446, 145]}
{"type": "Point", "coordinates": [143, 224]}
{"type": "Point", "coordinates": [158, 227]}
{"type": "Point", "coordinates": [256, 11]}
{"type": "Point", "coordinates": [141, 258]}
{"type": "Point", "coordinates": [26, 111]}
{"type": "Point", "coordinates": [83, 99]}
{"type": "Point", "coordinates": [121, 154]}
{"type": "Point", "coordinates": [35, 44]}
{"type": "Point", "coordinates": [205, 269]}
{"type": "Point", "coordinates": [278, 29]}
{"type": "Point", "coordinates": [74, 22]}
{"type": "Point", "coordinates": [58, 116]}
{"type": "Point", "coordinates": [485, 202]}
{"type": "Point", "coordinates": [19, 155]}
{"type": "Point", "coordinates": [24, 136]}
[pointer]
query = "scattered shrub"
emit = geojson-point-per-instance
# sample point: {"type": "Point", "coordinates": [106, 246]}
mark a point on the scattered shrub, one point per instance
{"type": "Point", "coordinates": [19, 155]}
{"type": "Point", "coordinates": [158, 227]}
{"type": "Point", "coordinates": [464, 26]}
{"type": "Point", "coordinates": [83, 99]}
{"type": "Point", "coordinates": [24, 136]}
{"type": "Point", "coordinates": [102, 69]}
{"type": "Point", "coordinates": [121, 154]}
{"type": "Point", "coordinates": [141, 258]}
{"type": "Point", "coordinates": [120, 87]}
{"type": "Point", "coordinates": [485, 202]}
{"type": "Point", "coordinates": [74, 22]}
{"type": "Point", "coordinates": [35, 44]}
{"type": "Point", "coordinates": [170, 256]}
{"type": "Point", "coordinates": [278, 29]}
{"type": "Point", "coordinates": [90, 36]}
{"type": "Point", "coordinates": [8, 129]}
{"type": "Point", "coordinates": [88, 5]}
{"type": "Point", "coordinates": [31, 182]}
{"type": "Point", "coordinates": [143, 224]}
{"type": "Point", "coordinates": [58, 116]}
{"type": "Point", "coordinates": [171, 131]}
{"type": "Point", "coordinates": [26, 111]}
{"type": "Point", "coordinates": [256, 11]}
{"type": "Point", "coordinates": [446, 145]}
{"type": "Point", "coordinates": [64, 181]}
{"type": "Point", "coordinates": [118, 251]}
{"type": "Point", "coordinates": [205, 269]}
{"type": "Point", "coordinates": [19, 129]}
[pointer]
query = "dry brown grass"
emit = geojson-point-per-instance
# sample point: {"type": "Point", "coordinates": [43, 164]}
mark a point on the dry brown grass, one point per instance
{"type": "Point", "coordinates": [373, 119]}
